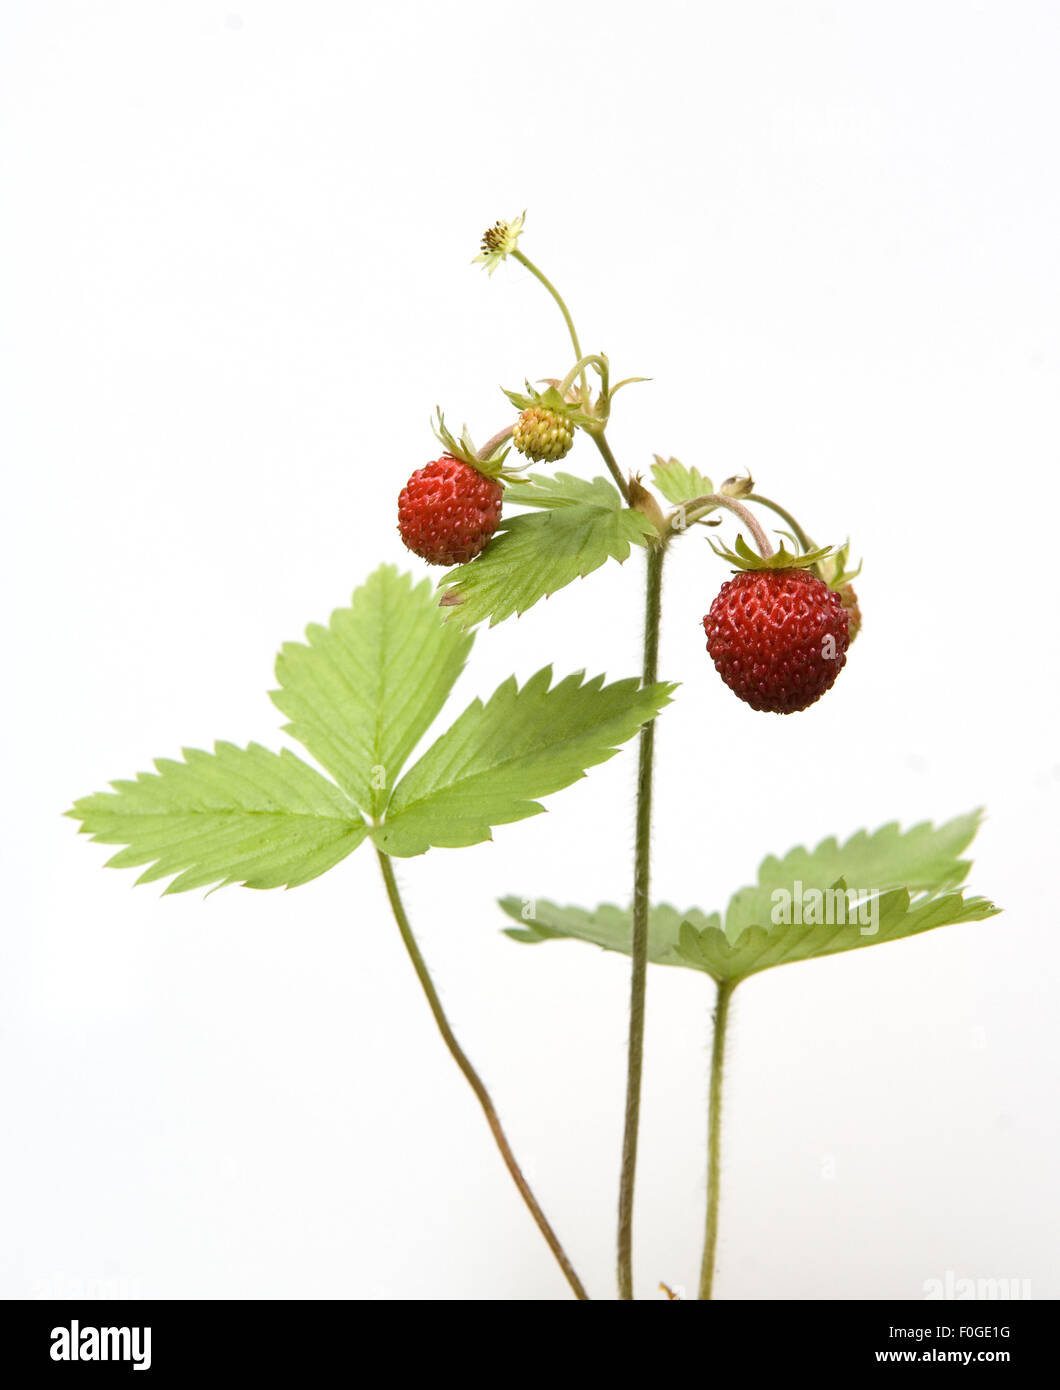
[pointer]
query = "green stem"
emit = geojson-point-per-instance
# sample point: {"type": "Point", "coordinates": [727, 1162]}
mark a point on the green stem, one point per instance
{"type": "Point", "coordinates": [600, 440]}
{"type": "Point", "coordinates": [641, 908]}
{"type": "Point", "coordinates": [495, 441]}
{"type": "Point", "coordinates": [717, 1063]}
{"type": "Point", "coordinates": [689, 512]}
{"type": "Point", "coordinates": [597, 434]}
{"type": "Point", "coordinates": [472, 1077]}
{"type": "Point", "coordinates": [800, 535]}
{"type": "Point", "coordinates": [517, 255]}
{"type": "Point", "coordinates": [591, 359]}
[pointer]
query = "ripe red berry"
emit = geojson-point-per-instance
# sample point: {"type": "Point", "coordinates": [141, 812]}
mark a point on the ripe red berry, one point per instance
{"type": "Point", "coordinates": [778, 638]}
{"type": "Point", "coordinates": [448, 511]}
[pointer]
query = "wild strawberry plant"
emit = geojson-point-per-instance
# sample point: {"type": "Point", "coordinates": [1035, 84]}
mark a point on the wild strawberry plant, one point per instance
{"type": "Point", "coordinates": [360, 693]}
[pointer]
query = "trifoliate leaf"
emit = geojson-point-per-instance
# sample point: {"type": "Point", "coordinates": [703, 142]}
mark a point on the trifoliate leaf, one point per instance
{"type": "Point", "coordinates": [236, 815]}
{"type": "Point", "coordinates": [874, 888]}
{"type": "Point", "coordinates": [490, 767]}
{"type": "Point", "coordinates": [365, 688]}
{"type": "Point", "coordinates": [677, 483]}
{"type": "Point", "coordinates": [578, 526]}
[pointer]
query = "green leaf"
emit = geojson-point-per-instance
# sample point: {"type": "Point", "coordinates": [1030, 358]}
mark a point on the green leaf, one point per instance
{"type": "Point", "coordinates": [874, 888]}
{"type": "Point", "coordinates": [882, 917]}
{"type": "Point", "coordinates": [236, 815]}
{"type": "Point", "coordinates": [364, 689]}
{"type": "Point", "coordinates": [575, 528]}
{"type": "Point", "coordinates": [608, 926]}
{"type": "Point", "coordinates": [695, 940]}
{"type": "Point", "coordinates": [563, 490]}
{"type": "Point", "coordinates": [678, 483]}
{"type": "Point", "coordinates": [924, 859]}
{"type": "Point", "coordinates": [492, 764]}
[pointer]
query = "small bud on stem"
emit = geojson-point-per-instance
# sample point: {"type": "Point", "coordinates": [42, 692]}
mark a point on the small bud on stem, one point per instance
{"type": "Point", "coordinates": [643, 501]}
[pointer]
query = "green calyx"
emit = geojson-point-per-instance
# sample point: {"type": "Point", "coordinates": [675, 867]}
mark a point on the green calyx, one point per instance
{"type": "Point", "coordinates": [740, 486]}
{"type": "Point", "coordinates": [490, 465]}
{"type": "Point", "coordinates": [571, 399]}
{"type": "Point", "coordinates": [833, 570]}
{"type": "Point", "coordinates": [744, 558]}
{"type": "Point", "coordinates": [562, 407]}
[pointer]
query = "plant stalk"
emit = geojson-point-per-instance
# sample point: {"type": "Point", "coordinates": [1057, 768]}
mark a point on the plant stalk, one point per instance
{"type": "Point", "coordinates": [592, 359]}
{"type": "Point", "coordinates": [600, 440]}
{"type": "Point", "coordinates": [689, 512]}
{"type": "Point", "coordinates": [495, 441]}
{"type": "Point", "coordinates": [717, 1064]}
{"type": "Point", "coordinates": [598, 436]}
{"type": "Point", "coordinates": [639, 945]}
{"type": "Point", "coordinates": [525, 261]}
{"type": "Point", "coordinates": [472, 1077]}
{"type": "Point", "coordinates": [800, 535]}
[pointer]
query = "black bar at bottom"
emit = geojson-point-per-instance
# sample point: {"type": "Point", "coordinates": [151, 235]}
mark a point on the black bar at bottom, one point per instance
{"type": "Point", "coordinates": [308, 1342]}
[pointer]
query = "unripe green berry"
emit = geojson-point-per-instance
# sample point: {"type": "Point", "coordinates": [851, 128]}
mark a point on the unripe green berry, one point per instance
{"type": "Point", "coordinates": [543, 435]}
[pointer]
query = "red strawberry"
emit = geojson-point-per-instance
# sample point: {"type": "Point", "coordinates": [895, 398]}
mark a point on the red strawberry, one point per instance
{"type": "Point", "coordinates": [778, 638]}
{"type": "Point", "coordinates": [448, 511]}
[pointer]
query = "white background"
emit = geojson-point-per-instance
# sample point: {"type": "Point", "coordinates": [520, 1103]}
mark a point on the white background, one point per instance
{"type": "Point", "coordinates": [235, 256]}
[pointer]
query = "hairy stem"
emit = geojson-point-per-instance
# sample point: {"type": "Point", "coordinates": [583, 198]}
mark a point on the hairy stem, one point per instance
{"type": "Point", "coordinates": [495, 441]}
{"type": "Point", "coordinates": [597, 434]}
{"type": "Point", "coordinates": [800, 535]}
{"type": "Point", "coordinates": [472, 1077]}
{"type": "Point", "coordinates": [600, 440]}
{"type": "Point", "coordinates": [688, 512]}
{"type": "Point", "coordinates": [641, 907]}
{"type": "Point", "coordinates": [517, 255]}
{"type": "Point", "coordinates": [717, 1063]}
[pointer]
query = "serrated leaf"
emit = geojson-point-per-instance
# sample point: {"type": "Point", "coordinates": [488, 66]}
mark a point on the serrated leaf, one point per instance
{"type": "Point", "coordinates": [490, 767]}
{"type": "Point", "coordinates": [607, 926]}
{"type": "Point", "coordinates": [696, 941]}
{"type": "Point", "coordinates": [236, 815]}
{"type": "Point", "coordinates": [879, 918]}
{"type": "Point", "coordinates": [363, 690]}
{"type": "Point", "coordinates": [678, 483]}
{"type": "Point", "coordinates": [924, 859]}
{"type": "Point", "coordinates": [577, 526]}
{"type": "Point", "coordinates": [563, 490]}
{"type": "Point", "coordinates": [832, 899]}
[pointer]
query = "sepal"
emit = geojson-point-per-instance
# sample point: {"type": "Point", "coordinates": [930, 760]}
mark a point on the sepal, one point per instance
{"type": "Point", "coordinates": [550, 399]}
{"type": "Point", "coordinates": [492, 466]}
{"type": "Point", "coordinates": [744, 558]}
{"type": "Point", "coordinates": [833, 570]}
